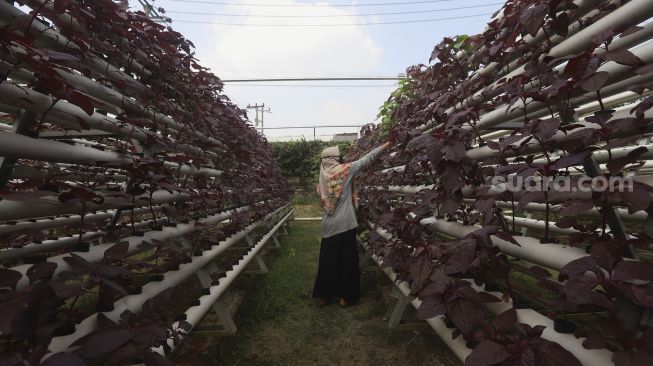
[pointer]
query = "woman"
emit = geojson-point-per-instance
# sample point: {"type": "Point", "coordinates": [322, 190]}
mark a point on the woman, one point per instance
{"type": "Point", "coordinates": [338, 275]}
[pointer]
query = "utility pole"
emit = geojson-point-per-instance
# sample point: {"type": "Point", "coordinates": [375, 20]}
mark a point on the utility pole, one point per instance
{"type": "Point", "coordinates": [260, 112]}
{"type": "Point", "coordinates": [153, 13]}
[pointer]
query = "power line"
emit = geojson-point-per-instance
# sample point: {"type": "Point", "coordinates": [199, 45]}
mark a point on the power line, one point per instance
{"type": "Point", "coordinates": [316, 79]}
{"type": "Point", "coordinates": [319, 86]}
{"type": "Point", "coordinates": [331, 15]}
{"type": "Point", "coordinates": [313, 126]}
{"type": "Point", "coordinates": [304, 5]}
{"type": "Point", "coordinates": [332, 25]}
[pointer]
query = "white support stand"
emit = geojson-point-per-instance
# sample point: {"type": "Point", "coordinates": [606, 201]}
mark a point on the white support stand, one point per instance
{"type": "Point", "coordinates": [399, 308]}
{"type": "Point", "coordinates": [524, 230]}
{"type": "Point", "coordinates": [261, 267]}
{"type": "Point", "coordinates": [223, 313]}
{"type": "Point", "coordinates": [277, 244]}
{"type": "Point", "coordinates": [204, 275]}
{"type": "Point", "coordinates": [364, 261]}
{"type": "Point", "coordinates": [212, 268]}
{"type": "Point", "coordinates": [185, 243]}
{"type": "Point", "coordinates": [219, 308]}
{"type": "Point", "coordinates": [251, 239]}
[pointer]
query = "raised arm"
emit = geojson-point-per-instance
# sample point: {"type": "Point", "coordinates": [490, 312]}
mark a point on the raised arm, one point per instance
{"type": "Point", "coordinates": [366, 160]}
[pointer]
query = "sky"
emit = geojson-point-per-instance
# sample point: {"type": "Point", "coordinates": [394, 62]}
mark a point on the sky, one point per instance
{"type": "Point", "coordinates": [295, 38]}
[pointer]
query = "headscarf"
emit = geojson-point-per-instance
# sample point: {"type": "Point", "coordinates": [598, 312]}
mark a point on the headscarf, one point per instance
{"type": "Point", "coordinates": [332, 178]}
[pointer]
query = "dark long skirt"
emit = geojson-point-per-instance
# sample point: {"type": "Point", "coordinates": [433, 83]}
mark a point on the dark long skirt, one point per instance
{"type": "Point", "coordinates": [338, 274]}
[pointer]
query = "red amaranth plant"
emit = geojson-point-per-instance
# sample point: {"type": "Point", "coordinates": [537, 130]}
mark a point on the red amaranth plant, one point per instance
{"type": "Point", "coordinates": [438, 126]}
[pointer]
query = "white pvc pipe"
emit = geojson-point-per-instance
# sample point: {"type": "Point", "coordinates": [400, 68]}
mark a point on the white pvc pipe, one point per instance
{"type": "Point", "coordinates": [587, 357]}
{"type": "Point", "coordinates": [624, 97]}
{"type": "Point", "coordinates": [135, 303]}
{"type": "Point", "coordinates": [63, 113]}
{"type": "Point", "coordinates": [455, 344]}
{"type": "Point", "coordinates": [493, 89]}
{"type": "Point", "coordinates": [8, 13]}
{"type": "Point", "coordinates": [6, 229]}
{"type": "Point", "coordinates": [485, 152]}
{"type": "Point", "coordinates": [24, 147]}
{"type": "Point", "coordinates": [506, 113]}
{"type": "Point", "coordinates": [47, 204]}
{"type": "Point", "coordinates": [69, 115]}
{"type": "Point", "coordinates": [30, 172]}
{"type": "Point", "coordinates": [56, 244]}
{"type": "Point", "coordinates": [195, 314]}
{"type": "Point", "coordinates": [69, 21]}
{"type": "Point", "coordinates": [572, 344]}
{"type": "Point", "coordinates": [630, 14]}
{"type": "Point", "coordinates": [539, 225]}
{"type": "Point", "coordinates": [540, 207]}
{"type": "Point", "coordinates": [553, 256]}
{"type": "Point", "coordinates": [96, 253]}
{"type": "Point", "coordinates": [469, 191]}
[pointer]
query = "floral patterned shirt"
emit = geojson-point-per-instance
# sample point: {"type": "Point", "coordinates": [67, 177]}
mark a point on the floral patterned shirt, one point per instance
{"type": "Point", "coordinates": [343, 216]}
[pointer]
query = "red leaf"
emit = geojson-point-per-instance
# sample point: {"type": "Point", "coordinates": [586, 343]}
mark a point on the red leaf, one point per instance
{"type": "Point", "coordinates": [431, 308]}
{"type": "Point", "coordinates": [155, 359]}
{"type": "Point", "coordinates": [116, 252]}
{"type": "Point", "coordinates": [644, 70]}
{"type": "Point", "coordinates": [578, 289]}
{"type": "Point", "coordinates": [505, 320]}
{"type": "Point", "coordinates": [463, 314]}
{"type": "Point", "coordinates": [104, 342]}
{"type": "Point", "coordinates": [420, 270]}
{"type": "Point", "coordinates": [637, 200]}
{"type": "Point", "coordinates": [544, 129]}
{"type": "Point", "coordinates": [566, 222]}
{"type": "Point", "coordinates": [643, 106]}
{"type": "Point", "coordinates": [507, 237]}
{"type": "Point", "coordinates": [487, 353]}
{"type": "Point", "coordinates": [9, 278]}
{"type": "Point", "coordinates": [64, 359]}
{"type": "Point", "coordinates": [64, 291]}
{"type": "Point", "coordinates": [552, 354]}
{"type": "Point", "coordinates": [633, 270]}
{"type": "Point", "coordinates": [10, 309]}
{"type": "Point", "coordinates": [533, 18]}
{"type": "Point", "coordinates": [623, 57]}
{"type": "Point", "coordinates": [576, 67]}
{"type": "Point", "coordinates": [616, 165]}
{"type": "Point", "coordinates": [632, 358]}
{"type": "Point", "coordinates": [116, 287]}
{"type": "Point", "coordinates": [595, 82]}
{"type": "Point", "coordinates": [576, 207]}
{"type": "Point", "coordinates": [60, 6]}
{"type": "Point", "coordinates": [579, 267]}
{"type": "Point", "coordinates": [41, 271]}
{"type": "Point", "coordinates": [83, 101]}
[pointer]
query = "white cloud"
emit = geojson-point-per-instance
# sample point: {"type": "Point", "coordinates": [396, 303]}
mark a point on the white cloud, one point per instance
{"type": "Point", "coordinates": [265, 52]}
{"type": "Point", "coordinates": [247, 50]}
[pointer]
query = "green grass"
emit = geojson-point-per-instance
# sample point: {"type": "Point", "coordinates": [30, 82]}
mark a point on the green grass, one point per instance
{"type": "Point", "coordinates": [280, 324]}
{"type": "Point", "coordinates": [307, 204]}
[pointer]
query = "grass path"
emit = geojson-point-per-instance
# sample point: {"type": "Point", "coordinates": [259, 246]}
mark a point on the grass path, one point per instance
{"type": "Point", "coordinates": [279, 323]}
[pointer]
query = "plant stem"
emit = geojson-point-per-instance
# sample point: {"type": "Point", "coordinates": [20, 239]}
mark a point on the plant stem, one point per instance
{"type": "Point", "coordinates": [598, 95]}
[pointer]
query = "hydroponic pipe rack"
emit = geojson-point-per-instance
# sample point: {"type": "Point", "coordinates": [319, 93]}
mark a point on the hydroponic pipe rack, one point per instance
{"type": "Point", "coordinates": [124, 171]}
{"type": "Point", "coordinates": [506, 272]}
